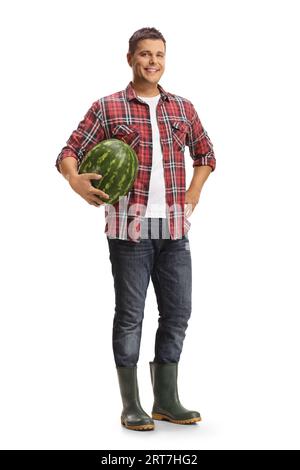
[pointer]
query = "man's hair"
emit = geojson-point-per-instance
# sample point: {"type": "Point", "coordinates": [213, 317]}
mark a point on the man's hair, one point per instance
{"type": "Point", "coordinates": [144, 33]}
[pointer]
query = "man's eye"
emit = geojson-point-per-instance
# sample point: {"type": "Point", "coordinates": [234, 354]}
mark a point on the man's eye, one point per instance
{"type": "Point", "coordinates": [145, 53]}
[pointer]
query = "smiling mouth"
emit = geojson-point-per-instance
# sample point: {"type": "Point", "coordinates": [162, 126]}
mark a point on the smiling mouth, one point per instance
{"type": "Point", "coordinates": [152, 70]}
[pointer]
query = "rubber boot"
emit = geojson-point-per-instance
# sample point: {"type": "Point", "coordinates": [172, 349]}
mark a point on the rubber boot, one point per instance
{"type": "Point", "coordinates": [133, 416]}
{"type": "Point", "coordinates": [167, 406]}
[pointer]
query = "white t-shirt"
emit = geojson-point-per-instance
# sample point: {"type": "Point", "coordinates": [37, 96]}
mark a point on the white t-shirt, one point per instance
{"type": "Point", "coordinates": [156, 206]}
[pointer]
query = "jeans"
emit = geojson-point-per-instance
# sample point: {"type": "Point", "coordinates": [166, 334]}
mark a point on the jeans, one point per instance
{"type": "Point", "coordinates": [168, 263]}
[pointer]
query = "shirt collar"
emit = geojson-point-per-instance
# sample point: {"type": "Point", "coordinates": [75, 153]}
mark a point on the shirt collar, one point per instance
{"type": "Point", "coordinates": [131, 94]}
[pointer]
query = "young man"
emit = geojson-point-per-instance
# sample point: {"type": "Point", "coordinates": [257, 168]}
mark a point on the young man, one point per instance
{"type": "Point", "coordinates": [147, 229]}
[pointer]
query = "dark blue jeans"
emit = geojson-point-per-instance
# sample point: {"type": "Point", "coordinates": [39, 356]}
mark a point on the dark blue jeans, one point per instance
{"type": "Point", "coordinates": [168, 263]}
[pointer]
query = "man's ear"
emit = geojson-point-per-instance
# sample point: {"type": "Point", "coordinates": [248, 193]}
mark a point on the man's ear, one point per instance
{"type": "Point", "coordinates": [129, 58]}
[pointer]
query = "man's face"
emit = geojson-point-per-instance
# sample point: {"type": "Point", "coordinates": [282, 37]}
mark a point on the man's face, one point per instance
{"type": "Point", "coordinates": [148, 61]}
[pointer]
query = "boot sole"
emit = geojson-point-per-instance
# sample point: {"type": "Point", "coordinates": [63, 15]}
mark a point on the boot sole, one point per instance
{"type": "Point", "coordinates": [161, 417]}
{"type": "Point", "coordinates": [138, 427]}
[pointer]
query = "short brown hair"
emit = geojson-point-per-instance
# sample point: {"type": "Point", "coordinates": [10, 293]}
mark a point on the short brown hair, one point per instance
{"type": "Point", "coordinates": [144, 33]}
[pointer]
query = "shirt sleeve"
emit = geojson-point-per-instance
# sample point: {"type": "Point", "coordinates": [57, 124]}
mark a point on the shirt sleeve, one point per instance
{"type": "Point", "coordinates": [88, 133]}
{"type": "Point", "coordinates": [199, 143]}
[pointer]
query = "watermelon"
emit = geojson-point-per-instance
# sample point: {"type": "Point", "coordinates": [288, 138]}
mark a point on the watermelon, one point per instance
{"type": "Point", "coordinates": [117, 162]}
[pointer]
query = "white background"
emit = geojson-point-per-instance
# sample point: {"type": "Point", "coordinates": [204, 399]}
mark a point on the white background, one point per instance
{"type": "Point", "coordinates": [238, 63]}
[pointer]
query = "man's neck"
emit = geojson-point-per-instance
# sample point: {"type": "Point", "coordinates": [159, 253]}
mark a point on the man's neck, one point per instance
{"type": "Point", "coordinates": [146, 90]}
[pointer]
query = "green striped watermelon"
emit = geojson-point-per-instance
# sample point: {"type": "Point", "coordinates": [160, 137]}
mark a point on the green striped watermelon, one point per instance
{"type": "Point", "coordinates": [117, 162]}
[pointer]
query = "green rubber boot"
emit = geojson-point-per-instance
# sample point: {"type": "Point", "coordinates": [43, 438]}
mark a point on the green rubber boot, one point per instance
{"type": "Point", "coordinates": [133, 416]}
{"type": "Point", "coordinates": [167, 406]}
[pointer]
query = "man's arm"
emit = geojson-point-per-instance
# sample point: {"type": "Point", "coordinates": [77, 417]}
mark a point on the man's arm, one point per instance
{"type": "Point", "coordinates": [198, 141]}
{"type": "Point", "coordinates": [89, 132]}
{"type": "Point", "coordinates": [202, 153]}
{"type": "Point", "coordinates": [201, 173]}
{"type": "Point", "coordinates": [192, 195]}
{"type": "Point", "coordinates": [68, 167]}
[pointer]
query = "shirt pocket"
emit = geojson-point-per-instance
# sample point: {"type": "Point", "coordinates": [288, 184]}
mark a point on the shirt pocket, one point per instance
{"type": "Point", "coordinates": [129, 134]}
{"type": "Point", "coordinates": [179, 134]}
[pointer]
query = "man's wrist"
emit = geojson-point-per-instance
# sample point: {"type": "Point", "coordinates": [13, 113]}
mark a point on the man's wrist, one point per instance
{"type": "Point", "coordinates": [200, 175]}
{"type": "Point", "coordinates": [71, 175]}
{"type": "Point", "coordinates": [69, 167]}
{"type": "Point", "coordinates": [195, 188]}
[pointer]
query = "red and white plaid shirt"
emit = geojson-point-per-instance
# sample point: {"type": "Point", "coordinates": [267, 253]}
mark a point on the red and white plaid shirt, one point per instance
{"type": "Point", "coordinates": [124, 116]}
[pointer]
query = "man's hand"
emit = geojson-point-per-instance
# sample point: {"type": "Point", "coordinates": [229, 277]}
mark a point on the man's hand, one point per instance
{"type": "Point", "coordinates": [192, 197]}
{"type": "Point", "coordinates": [81, 184]}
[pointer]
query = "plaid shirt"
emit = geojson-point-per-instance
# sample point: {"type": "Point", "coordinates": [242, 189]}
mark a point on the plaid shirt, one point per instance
{"type": "Point", "coordinates": [124, 116]}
